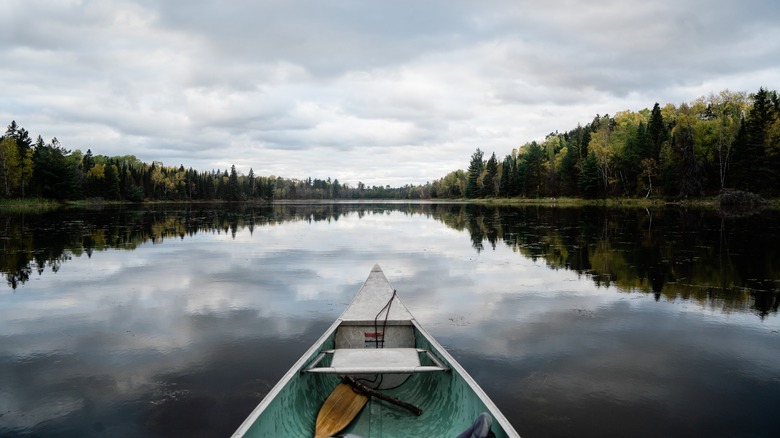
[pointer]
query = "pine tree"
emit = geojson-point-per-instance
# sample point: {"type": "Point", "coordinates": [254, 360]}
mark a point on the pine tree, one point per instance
{"type": "Point", "coordinates": [589, 177]}
{"type": "Point", "coordinates": [111, 188]}
{"type": "Point", "coordinates": [336, 189]}
{"type": "Point", "coordinates": [763, 170]}
{"type": "Point", "coordinates": [507, 176]}
{"type": "Point", "coordinates": [475, 172]}
{"type": "Point", "coordinates": [12, 129]}
{"type": "Point", "coordinates": [657, 131]}
{"type": "Point", "coordinates": [568, 170]}
{"type": "Point", "coordinates": [637, 148]}
{"type": "Point", "coordinates": [491, 176]}
{"type": "Point", "coordinates": [24, 143]}
{"type": "Point", "coordinates": [532, 163]}
{"type": "Point", "coordinates": [251, 182]}
{"type": "Point", "coordinates": [233, 190]}
{"type": "Point", "coordinates": [740, 161]}
{"type": "Point", "coordinates": [87, 163]}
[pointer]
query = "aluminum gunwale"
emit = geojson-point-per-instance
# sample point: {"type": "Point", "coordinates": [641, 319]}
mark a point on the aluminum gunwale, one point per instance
{"type": "Point", "coordinates": [363, 309]}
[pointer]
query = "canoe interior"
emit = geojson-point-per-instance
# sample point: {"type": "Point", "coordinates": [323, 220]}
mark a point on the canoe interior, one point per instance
{"type": "Point", "coordinates": [448, 403]}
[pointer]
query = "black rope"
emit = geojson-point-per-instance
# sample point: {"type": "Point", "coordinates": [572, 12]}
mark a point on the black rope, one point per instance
{"type": "Point", "coordinates": [384, 324]}
{"type": "Point", "coordinates": [379, 377]}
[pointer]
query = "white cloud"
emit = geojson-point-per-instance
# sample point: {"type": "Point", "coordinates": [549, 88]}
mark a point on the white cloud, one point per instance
{"type": "Point", "coordinates": [386, 93]}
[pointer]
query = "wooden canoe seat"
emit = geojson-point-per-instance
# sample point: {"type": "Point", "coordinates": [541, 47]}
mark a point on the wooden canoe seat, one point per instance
{"type": "Point", "coordinates": [375, 361]}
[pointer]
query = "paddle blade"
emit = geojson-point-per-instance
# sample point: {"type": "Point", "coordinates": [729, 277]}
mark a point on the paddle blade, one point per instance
{"type": "Point", "coordinates": [341, 407]}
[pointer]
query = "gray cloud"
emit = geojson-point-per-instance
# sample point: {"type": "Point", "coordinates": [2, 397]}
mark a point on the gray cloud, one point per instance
{"type": "Point", "coordinates": [301, 89]}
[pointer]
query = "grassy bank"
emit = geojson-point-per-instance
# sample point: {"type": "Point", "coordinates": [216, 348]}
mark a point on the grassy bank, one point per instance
{"type": "Point", "coordinates": [29, 204]}
{"type": "Point", "coordinates": [608, 202]}
{"type": "Point", "coordinates": [40, 203]}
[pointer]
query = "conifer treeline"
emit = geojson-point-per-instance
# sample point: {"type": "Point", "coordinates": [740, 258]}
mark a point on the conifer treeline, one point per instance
{"type": "Point", "coordinates": [728, 140]}
{"type": "Point", "coordinates": [49, 170]}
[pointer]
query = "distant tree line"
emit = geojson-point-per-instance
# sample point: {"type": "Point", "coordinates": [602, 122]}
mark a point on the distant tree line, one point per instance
{"type": "Point", "coordinates": [728, 140]}
{"type": "Point", "coordinates": [39, 169]}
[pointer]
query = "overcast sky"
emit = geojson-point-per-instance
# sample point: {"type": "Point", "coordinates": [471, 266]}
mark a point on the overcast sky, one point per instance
{"type": "Point", "coordinates": [383, 92]}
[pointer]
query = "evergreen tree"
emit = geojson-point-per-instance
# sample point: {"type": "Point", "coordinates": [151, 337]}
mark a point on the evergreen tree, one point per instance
{"type": "Point", "coordinates": [760, 117]}
{"type": "Point", "coordinates": [336, 189]}
{"type": "Point", "coordinates": [507, 176]}
{"type": "Point", "coordinates": [579, 139]}
{"type": "Point", "coordinates": [88, 161]}
{"type": "Point", "coordinates": [54, 176]}
{"type": "Point", "coordinates": [692, 176]}
{"type": "Point", "coordinates": [24, 143]}
{"type": "Point", "coordinates": [741, 161]}
{"type": "Point", "coordinates": [521, 169]}
{"type": "Point", "coordinates": [111, 183]}
{"type": "Point", "coordinates": [233, 190]}
{"type": "Point", "coordinates": [251, 182]}
{"type": "Point", "coordinates": [474, 173]}
{"type": "Point", "coordinates": [491, 177]}
{"type": "Point", "coordinates": [568, 171]}
{"type": "Point", "coordinates": [764, 173]}
{"type": "Point", "coordinates": [589, 179]}
{"type": "Point", "coordinates": [269, 188]}
{"type": "Point", "coordinates": [657, 131]}
{"type": "Point", "coordinates": [532, 164]}
{"type": "Point", "coordinates": [11, 131]}
{"type": "Point", "coordinates": [637, 148]}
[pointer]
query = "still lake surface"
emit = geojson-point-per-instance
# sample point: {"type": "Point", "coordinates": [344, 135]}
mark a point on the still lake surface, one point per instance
{"type": "Point", "coordinates": [177, 320]}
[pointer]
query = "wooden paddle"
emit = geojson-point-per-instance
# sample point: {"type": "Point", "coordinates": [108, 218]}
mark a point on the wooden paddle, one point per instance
{"type": "Point", "coordinates": [341, 407]}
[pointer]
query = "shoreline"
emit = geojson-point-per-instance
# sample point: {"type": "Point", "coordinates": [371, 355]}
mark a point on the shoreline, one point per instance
{"type": "Point", "coordinates": [707, 202]}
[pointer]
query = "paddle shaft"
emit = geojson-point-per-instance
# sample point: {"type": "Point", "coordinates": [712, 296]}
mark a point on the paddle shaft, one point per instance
{"type": "Point", "coordinates": [374, 393]}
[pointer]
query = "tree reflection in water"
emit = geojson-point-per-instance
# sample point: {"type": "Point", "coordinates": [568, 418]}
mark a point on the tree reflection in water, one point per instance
{"type": "Point", "coordinates": [725, 263]}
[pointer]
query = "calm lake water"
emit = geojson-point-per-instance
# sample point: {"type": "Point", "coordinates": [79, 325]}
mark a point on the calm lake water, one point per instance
{"type": "Point", "coordinates": [177, 320]}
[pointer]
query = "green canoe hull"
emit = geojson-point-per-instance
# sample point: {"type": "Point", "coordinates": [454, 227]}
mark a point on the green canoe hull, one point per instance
{"type": "Point", "coordinates": [450, 400]}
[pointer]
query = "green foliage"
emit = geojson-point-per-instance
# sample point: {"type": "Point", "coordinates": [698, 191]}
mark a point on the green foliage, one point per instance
{"type": "Point", "coordinates": [53, 172]}
{"type": "Point", "coordinates": [696, 149]}
{"type": "Point", "coordinates": [56, 177]}
{"type": "Point", "coordinates": [725, 140]}
{"type": "Point", "coordinates": [568, 171]}
{"type": "Point", "coordinates": [16, 161]}
{"type": "Point", "coordinates": [473, 186]}
{"type": "Point", "coordinates": [691, 174]}
{"type": "Point", "coordinates": [531, 170]}
{"type": "Point", "coordinates": [233, 189]}
{"type": "Point", "coordinates": [10, 174]}
{"type": "Point", "coordinates": [589, 180]}
{"type": "Point", "coordinates": [490, 181]}
{"type": "Point", "coordinates": [507, 170]}
{"type": "Point", "coordinates": [452, 186]}
{"type": "Point", "coordinates": [658, 132]}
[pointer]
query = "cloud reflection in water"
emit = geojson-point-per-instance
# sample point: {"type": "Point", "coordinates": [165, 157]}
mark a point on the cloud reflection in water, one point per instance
{"type": "Point", "coordinates": [200, 327]}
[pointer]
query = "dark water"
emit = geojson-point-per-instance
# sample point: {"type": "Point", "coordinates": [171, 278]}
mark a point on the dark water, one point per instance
{"type": "Point", "coordinates": [175, 321]}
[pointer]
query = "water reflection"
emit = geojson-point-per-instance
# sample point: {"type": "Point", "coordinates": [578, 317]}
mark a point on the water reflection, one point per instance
{"type": "Point", "coordinates": [177, 320]}
{"type": "Point", "coordinates": [106, 384]}
{"type": "Point", "coordinates": [730, 264]}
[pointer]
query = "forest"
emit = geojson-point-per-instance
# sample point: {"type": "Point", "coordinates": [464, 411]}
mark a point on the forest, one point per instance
{"type": "Point", "coordinates": [48, 170]}
{"type": "Point", "coordinates": [725, 140]}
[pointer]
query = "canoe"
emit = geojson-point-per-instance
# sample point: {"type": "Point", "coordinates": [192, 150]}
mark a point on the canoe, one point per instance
{"type": "Point", "coordinates": [377, 344]}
